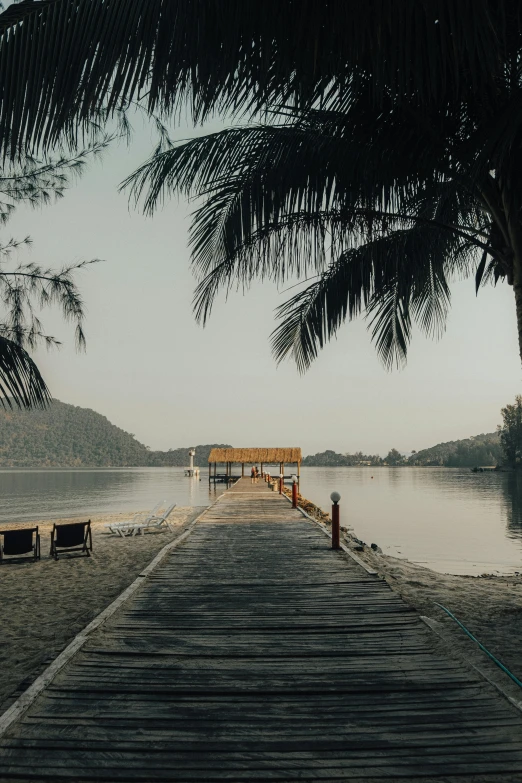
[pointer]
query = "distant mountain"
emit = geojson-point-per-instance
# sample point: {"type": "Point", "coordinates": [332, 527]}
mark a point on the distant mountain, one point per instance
{"type": "Point", "coordinates": [475, 451]}
{"type": "Point", "coordinates": [68, 436]}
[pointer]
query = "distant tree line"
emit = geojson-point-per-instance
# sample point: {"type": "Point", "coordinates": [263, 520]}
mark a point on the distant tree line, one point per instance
{"type": "Point", "coordinates": [479, 450]}
{"type": "Point", "coordinates": [331, 459]}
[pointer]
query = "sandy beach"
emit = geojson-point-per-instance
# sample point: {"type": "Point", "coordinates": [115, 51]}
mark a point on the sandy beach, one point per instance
{"type": "Point", "coordinates": [45, 604]}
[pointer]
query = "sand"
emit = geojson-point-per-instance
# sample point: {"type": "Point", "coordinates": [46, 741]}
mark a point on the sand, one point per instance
{"type": "Point", "coordinates": [45, 604]}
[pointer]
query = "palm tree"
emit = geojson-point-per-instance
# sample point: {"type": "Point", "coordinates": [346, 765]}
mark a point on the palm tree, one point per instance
{"type": "Point", "coordinates": [63, 61]}
{"type": "Point", "coordinates": [424, 186]}
{"type": "Point", "coordinates": [381, 206]}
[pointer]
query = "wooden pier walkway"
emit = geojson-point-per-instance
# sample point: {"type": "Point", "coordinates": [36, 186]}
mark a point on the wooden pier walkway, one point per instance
{"type": "Point", "coordinates": [256, 653]}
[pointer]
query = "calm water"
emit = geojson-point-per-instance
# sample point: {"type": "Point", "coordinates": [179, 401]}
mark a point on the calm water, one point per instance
{"type": "Point", "coordinates": [452, 520]}
{"type": "Point", "coordinates": [49, 494]}
{"type": "Point", "coordinates": [449, 519]}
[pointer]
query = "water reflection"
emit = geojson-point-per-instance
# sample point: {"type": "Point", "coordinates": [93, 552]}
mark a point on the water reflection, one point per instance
{"type": "Point", "coordinates": [45, 494]}
{"type": "Point", "coordinates": [450, 519]}
{"type": "Point", "coordinates": [512, 491]}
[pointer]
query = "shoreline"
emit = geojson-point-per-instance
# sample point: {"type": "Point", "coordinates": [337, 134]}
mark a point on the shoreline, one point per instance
{"type": "Point", "coordinates": [204, 469]}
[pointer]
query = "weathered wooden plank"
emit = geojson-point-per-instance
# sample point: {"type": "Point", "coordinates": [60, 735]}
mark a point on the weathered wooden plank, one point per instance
{"type": "Point", "coordinates": [256, 653]}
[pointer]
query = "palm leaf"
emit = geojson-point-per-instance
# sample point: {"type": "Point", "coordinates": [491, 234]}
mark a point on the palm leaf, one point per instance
{"type": "Point", "coordinates": [395, 279]}
{"type": "Point", "coordinates": [61, 61]}
{"type": "Point", "coordinates": [20, 381]}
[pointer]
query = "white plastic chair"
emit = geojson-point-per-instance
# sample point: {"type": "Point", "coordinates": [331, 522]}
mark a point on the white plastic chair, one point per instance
{"type": "Point", "coordinates": [121, 528]}
{"type": "Point", "coordinates": [157, 522]}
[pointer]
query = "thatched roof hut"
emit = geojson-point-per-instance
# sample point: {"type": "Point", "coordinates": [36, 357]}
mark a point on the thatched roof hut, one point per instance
{"type": "Point", "coordinates": [273, 456]}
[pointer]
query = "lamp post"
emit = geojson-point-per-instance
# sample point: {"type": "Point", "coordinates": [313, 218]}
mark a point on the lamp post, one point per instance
{"type": "Point", "coordinates": [335, 498]}
{"type": "Point", "coordinates": [294, 491]}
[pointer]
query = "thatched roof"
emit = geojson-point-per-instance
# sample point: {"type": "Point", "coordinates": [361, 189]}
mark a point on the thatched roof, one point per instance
{"type": "Point", "coordinates": [267, 456]}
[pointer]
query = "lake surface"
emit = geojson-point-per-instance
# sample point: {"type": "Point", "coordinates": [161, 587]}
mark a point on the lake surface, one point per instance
{"type": "Point", "coordinates": [449, 519]}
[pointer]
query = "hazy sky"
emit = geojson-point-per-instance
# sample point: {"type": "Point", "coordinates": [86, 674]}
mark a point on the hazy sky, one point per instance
{"type": "Point", "coordinates": [151, 370]}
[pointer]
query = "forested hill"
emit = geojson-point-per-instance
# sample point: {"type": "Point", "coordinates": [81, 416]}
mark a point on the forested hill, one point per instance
{"type": "Point", "coordinates": [479, 450]}
{"type": "Point", "coordinates": [69, 436]}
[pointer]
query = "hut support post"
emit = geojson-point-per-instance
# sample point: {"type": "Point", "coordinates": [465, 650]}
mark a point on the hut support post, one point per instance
{"type": "Point", "coordinates": [242, 469]}
{"type": "Point", "coordinates": [298, 472]}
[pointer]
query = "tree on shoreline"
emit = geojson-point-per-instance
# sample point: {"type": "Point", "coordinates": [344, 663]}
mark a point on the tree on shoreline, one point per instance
{"type": "Point", "coordinates": [394, 458]}
{"type": "Point", "coordinates": [511, 433]}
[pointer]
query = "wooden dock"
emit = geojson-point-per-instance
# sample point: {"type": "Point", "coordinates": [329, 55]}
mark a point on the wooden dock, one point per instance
{"type": "Point", "coordinates": [256, 653]}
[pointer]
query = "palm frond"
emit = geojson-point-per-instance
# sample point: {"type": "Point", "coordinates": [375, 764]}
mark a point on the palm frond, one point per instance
{"type": "Point", "coordinates": [65, 60]}
{"type": "Point", "coordinates": [312, 317]}
{"type": "Point", "coordinates": [395, 279]}
{"type": "Point", "coordinates": [20, 381]}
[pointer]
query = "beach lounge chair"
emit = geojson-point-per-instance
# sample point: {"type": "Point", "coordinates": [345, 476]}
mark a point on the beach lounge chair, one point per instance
{"type": "Point", "coordinates": [73, 537]}
{"type": "Point", "coordinates": [120, 528]}
{"type": "Point", "coordinates": [21, 544]}
{"type": "Point", "coordinates": [154, 523]}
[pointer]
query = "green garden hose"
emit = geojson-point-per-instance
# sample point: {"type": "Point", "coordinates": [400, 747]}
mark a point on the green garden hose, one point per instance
{"type": "Point", "coordinates": [495, 660]}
